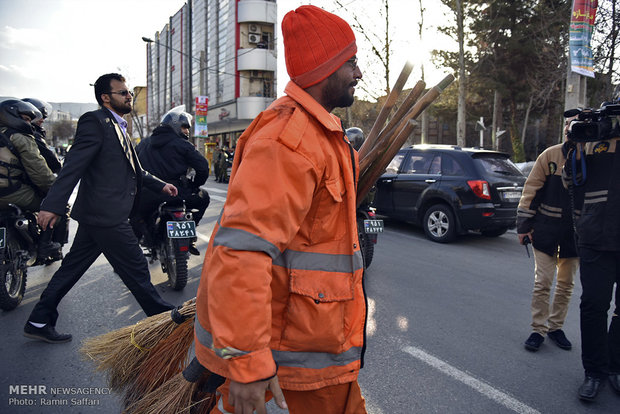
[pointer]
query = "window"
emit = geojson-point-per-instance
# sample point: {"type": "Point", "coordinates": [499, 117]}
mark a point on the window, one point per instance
{"type": "Point", "coordinates": [498, 165]}
{"type": "Point", "coordinates": [450, 166]}
{"type": "Point", "coordinates": [395, 163]}
{"type": "Point", "coordinates": [435, 165]}
{"type": "Point", "coordinates": [418, 163]}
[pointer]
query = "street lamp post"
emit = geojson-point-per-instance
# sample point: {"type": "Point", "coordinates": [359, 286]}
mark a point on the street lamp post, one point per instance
{"type": "Point", "coordinates": [202, 68]}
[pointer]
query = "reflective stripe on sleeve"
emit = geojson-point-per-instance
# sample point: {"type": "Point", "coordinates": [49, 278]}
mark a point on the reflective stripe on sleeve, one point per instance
{"type": "Point", "coordinates": [298, 359]}
{"type": "Point", "coordinates": [238, 239]}
{"type": "Point", "coordinates": [527, 213]}
{"type": "Point", "coordinates": [206, 339]}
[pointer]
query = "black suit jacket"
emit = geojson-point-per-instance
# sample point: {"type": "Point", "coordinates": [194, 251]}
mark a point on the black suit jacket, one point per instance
{"type": "Point", "coordinates": [109, 184]}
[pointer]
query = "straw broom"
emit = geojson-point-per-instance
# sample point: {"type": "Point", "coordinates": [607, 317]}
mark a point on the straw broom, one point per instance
{"type": "Point", "coordinates": [186, 392]}
{"type": "Point", "coordinates": [119, 353]}
{"type": "Point", "coordinates": [165, 360]}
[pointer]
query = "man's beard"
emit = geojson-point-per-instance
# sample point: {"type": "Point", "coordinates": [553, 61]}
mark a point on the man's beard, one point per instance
{"type": "Point", "coordinates": [122, 109]}
{"type": "Point", "coordinates": [337, 95]}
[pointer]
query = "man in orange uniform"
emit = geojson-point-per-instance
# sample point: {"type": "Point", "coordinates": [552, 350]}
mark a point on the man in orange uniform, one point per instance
{"type": "Point", "coordinates": [281, 308]}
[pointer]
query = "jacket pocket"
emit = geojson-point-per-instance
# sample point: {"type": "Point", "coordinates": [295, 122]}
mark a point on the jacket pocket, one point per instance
{"type": "Point", "coordinates": [329, 221]}
{"type": "Point", "coordinates": [315, 315]}
{"type": "Point", "coordinates": [590, 226]}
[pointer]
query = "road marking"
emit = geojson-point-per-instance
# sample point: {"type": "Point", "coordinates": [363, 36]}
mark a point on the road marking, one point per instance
{"type": "Point", "coordinates": [203, 237]}
{"type": "Point", "coordinates": [215, 190]}
{"type": "Point", "coordinates": [218, 198]}
{"type": "Point", "coordinates": [482, 387]}
{"type": "Point", "coordinates": [212, 190]}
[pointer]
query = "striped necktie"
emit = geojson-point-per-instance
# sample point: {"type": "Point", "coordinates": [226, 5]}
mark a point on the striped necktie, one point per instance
{"type": "Point", "coordinates": [126, 144]}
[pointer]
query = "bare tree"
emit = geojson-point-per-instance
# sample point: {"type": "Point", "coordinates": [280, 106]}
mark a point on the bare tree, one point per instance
{"type": "Point", "coordinates": [62, 129]}
{"type": "Point", "coordinates": [379, 42]}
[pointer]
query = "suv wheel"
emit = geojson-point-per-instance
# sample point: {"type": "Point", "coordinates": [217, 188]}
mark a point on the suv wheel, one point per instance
{"type": "Point", "coordinates": [439, 224]}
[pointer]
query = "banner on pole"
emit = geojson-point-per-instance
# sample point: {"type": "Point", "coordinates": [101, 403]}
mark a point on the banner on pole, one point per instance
{"type": "Point", "coordinates": [200, 123]}
{"type": "Point", "coordinates": [581, 28]}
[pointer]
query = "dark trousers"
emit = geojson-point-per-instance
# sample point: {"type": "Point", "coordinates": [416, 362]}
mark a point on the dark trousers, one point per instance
{"type": "Point", "coordinates": [198, 201]}
{"type": "Point", "coordinates": [120, 246]}
{"type": "Point", "coordinates": [600, 346]}
{"type": "Point", "coordinates": [149, 201]}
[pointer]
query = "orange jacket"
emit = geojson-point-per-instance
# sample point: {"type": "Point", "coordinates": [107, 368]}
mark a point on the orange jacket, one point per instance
{"type": "Point", "coordinates": [282, 276]}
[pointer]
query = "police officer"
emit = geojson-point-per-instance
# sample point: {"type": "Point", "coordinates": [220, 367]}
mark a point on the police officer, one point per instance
{"type": "Point", "coordinates": [598, 230]}
{"type": "Point", "coordinates": [168, 155]}
{"type": "Point", "coordinates": [25, 177]}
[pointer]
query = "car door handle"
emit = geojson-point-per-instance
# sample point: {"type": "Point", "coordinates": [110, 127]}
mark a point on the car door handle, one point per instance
{"type": "Point", "coordinates": [387, 181]}
{"type": "Point", "coordinates": [430, 181]}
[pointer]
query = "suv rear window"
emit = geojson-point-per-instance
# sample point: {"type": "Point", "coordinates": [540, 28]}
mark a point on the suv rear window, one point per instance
{"type": "Point", "coordinates": [497, 164]}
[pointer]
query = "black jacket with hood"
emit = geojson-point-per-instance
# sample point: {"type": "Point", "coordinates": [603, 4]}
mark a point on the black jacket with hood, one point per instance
{"type": "Point", "coordinates": [167, 155]}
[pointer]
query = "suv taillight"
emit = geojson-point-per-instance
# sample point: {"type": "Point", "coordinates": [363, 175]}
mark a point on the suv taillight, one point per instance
{"type": "Point", "coordinates": [480, 188]}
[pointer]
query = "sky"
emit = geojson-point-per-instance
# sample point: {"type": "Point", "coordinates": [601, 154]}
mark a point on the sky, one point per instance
{"type": "Point", "coordinates": [55, 49]}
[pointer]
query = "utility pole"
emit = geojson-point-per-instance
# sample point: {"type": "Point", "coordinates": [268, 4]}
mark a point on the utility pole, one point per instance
{"type": "Point", "coordinates": [576, 86]}
{"type": "Point", "coordinates": [461, 114]}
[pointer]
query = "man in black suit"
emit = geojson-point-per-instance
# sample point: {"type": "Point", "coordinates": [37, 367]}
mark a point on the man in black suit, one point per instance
{"type": "Point", "coordinates": [104, 159]}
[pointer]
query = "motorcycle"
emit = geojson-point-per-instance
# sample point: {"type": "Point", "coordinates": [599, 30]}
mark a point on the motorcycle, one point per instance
{"type": "Point", "coordinates": [19, 237]}
{"type": "Point", "coordinates": [171, 231]}
{"type": "Point", "coordinates": [368, 227]}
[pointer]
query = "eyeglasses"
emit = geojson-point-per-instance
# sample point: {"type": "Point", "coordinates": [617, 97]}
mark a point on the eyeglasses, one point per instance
{"type": "Point", "coordinates": [352, 62]}
{"type": "Point", "coordinates": [122, 93]}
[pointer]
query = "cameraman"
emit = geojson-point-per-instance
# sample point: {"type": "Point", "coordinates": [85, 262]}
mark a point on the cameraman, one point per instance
{"type": "Point", "coordinates": [598, 230]}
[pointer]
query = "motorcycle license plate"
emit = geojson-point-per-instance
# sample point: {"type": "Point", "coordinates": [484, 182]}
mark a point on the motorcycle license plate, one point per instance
{"type": "Point", "coordinates": [181, 229]}
{"type": "Point", "coordinates": [373, 226]}
{"type": "Point", "coordinates": [2, 237]}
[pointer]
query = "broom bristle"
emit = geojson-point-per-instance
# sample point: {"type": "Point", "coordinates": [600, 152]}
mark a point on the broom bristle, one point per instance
{"type": "Point", "coordinates": [165, 360]}
{"type": "Point", "coordinates": [174, 396]}
{"type": "Point", "coordinates": [119, 353]}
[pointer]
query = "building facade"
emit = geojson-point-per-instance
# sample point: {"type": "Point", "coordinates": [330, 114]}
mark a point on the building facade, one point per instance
{"type": "Point", "coordinates": [222, 49]}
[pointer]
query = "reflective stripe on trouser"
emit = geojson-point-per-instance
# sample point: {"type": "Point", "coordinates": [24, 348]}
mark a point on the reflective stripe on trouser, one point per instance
{"type": "Point", "coordinates": [334, 399]}
{"type": "Point", "coordinates": [547, 318]}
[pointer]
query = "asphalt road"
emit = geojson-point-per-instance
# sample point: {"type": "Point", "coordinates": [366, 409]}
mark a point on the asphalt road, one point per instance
{"type": "Point", "coordinates": [445, 332]}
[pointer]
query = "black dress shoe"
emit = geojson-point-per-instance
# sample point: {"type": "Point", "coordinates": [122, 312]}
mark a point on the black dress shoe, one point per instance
{"type": "Point", "coordinates": [614, 379]}
{"type": "Point", "coordinates": [589, 389]}
{"type": "Point", "coordinates": [47, 333]}
{"type": "Point", "coordinates": [193, 250]}
{"type": "Point", "coordinates": [534, 341]}
{"type": "Point", "coordinates": [560, 339]}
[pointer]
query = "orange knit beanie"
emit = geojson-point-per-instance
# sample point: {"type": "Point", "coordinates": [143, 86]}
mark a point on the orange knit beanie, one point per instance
{"type": "Point", "coordinates": [316, 44]}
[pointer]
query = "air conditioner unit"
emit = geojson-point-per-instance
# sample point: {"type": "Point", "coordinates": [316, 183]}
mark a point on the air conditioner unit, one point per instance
{"type": "Point", "coordinates": [253, 38]}
{"type": "Point", "coordinates": [253, 28]}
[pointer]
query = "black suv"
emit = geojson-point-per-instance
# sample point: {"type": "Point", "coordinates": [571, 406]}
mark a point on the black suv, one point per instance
{"type": "Point", "coordinates": [450, 190]}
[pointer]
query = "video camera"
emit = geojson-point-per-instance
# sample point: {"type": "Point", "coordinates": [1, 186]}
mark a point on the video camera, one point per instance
{"type": "Point", "coordinates": [594, 125]}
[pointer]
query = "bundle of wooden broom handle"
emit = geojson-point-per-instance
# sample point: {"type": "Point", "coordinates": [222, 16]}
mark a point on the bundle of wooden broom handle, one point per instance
{"type": "Point", "coordinates": [383, 142]}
